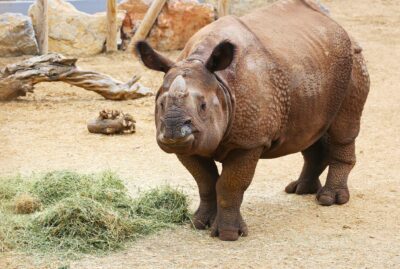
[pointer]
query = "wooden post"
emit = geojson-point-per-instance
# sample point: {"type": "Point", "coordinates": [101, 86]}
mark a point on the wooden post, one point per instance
{"type": "Point", "coordinates": [223, 8]}
{"type": "Point", "coordinates": [148, 21]}
{"type": "Point", "coordinates": [43, 27]}
{"type": "Point", "coordinates": [111, 43]}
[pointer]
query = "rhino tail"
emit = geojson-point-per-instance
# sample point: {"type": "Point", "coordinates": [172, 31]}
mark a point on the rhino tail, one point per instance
{"type": "Point", "coordinates": [357, 49]}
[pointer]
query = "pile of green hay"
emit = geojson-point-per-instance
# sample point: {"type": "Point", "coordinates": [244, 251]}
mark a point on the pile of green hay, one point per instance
{"type": "Point", "coordinates": [71, 213]}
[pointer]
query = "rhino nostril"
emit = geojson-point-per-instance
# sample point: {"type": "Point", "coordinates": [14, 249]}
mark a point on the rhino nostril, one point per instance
{"type": "Point", "coordinates": [187, 122]}
{"type": "Point", "coordinates": [186, 130]}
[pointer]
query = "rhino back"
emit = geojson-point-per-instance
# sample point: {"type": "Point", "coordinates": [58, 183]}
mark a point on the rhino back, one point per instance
{"type": "Point", "coordinates": [289, 76]}
{"type": "Point", "coordinates": [315, 55]}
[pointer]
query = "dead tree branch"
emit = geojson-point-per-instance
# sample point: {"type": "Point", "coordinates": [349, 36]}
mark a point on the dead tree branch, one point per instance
{"type": "Point", "coordinates": [18, 79]}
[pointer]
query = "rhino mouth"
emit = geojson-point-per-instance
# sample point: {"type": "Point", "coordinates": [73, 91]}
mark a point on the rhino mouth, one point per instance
{"type": "Point", "coordinates": [176, 145]}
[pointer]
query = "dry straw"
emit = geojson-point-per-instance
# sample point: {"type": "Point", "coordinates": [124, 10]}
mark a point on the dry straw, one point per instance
{"type": "Point", "coordinates": [25, 203]}
{"type": "Point", "coordinates": [81, 213]}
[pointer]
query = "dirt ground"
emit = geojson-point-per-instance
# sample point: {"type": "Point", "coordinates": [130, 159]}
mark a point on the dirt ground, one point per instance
{"type": "Point", "coordinates": [47, 131]}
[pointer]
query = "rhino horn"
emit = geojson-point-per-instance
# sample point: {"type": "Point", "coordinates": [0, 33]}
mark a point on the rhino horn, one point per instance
{"type": "Point", "coordinates": [178, 87]}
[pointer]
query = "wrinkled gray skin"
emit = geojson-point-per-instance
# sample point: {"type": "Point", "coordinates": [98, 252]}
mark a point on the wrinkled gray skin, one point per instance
{"type": "Point", "coordinates": [283, 79]}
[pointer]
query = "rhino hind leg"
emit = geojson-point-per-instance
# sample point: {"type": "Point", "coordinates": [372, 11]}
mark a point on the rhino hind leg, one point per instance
{"type": "Point", "coordinates": [315, 162]}
{"type": "Point", "coordinates": [342, 158]}
{"type": "Point", "coordinates": [342, 134]}
{"type": "Point", "coordinates": [341, 161]}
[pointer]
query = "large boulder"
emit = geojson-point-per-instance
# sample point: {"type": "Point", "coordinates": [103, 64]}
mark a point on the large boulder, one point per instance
{"type": "Point", "coordinates": [71, 31]}
{"type": "Point", "coordinates": [16, 35]}
{"type": "Point", "coordinates": [177, 22]}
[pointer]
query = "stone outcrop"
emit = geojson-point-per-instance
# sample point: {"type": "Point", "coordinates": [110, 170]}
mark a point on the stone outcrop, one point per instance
{"type": "Point", "coordinates": [73, 32]}
{"type": "Point", "coordinates": [177, 22]}
{"type": "Point", "coordinates": [16, 35]}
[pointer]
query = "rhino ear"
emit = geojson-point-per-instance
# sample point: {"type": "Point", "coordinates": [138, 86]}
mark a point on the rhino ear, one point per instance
{"type": "Point", "coordinates": [151, 58]}
{"type": "Point", "coordinates": [221, 57]}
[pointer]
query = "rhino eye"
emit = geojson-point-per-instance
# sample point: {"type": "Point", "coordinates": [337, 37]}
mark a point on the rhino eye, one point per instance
{"type": "Point", "coordinates": [162, 105]}
{"type": "Point", "coordinates": [203, 106]}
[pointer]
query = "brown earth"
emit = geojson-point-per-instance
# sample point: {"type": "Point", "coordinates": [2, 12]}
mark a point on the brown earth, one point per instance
{"type": "Point", "coordinates": [47, 131]}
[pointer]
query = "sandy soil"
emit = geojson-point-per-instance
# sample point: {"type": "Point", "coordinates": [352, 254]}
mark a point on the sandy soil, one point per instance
{"type": "Point", "coordinates": [47, 131]}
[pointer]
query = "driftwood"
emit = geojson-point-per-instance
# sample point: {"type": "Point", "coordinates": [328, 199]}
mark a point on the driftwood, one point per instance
{"type": "Point", "coordinates": [20, 78]}
{"type": "Point", "coordinates": [112, 122]}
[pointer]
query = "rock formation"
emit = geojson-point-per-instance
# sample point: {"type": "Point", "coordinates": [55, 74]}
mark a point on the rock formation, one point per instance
{"type": "Point", "coordinates": [16, 35]}
{"type": "Point", "coordinates": [177, 22]}
{"type": "Point", "coordinates": [73, 32]}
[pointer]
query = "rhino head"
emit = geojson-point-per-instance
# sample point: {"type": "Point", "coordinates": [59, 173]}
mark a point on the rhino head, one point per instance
{"type": "Point", "coordinates": [192, 107]}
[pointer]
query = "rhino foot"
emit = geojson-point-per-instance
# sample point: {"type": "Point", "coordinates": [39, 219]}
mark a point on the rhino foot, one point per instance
{"type": "Point", "coordinates": [302, 186]}
{"type": "Point", "coordinates": [328, 196]}
{"type": "Point", "coordinates": [229, 233]}
{"type": "Point", "coordinates": [204, 216]}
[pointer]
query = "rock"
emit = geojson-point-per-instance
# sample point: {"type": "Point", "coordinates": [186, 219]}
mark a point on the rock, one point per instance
{"type": "Point", "coordinates": [177, 22]}
{"type": "Point", "coordinates": [16, 35]}
{"type": "Point", "coordinates": [73, 32]}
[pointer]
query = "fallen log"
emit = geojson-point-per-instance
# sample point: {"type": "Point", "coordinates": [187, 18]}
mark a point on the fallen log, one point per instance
{"type": "Point", "coordinates": [18, 79]}
{"type": "Point", "coordinates": [112, 122]}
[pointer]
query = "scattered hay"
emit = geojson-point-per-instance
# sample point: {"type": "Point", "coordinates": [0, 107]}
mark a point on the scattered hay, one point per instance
{"type": "Point", "coordinates": [83, 224]}
{"type": "Point", "coordinates": [25, 203]}
{"type": "Point", "coordinates": [4, 245]}
{"type": "Point", "coordinates": [12, 229]}
{"type": "Point", "coordinates": [11, 186]}
{"type": "Point", "coordinates": [55, 186]}
{"type": "Point", "coordinates": [163, 204]}
{"type": "Point", "coordinates": [83, 213]}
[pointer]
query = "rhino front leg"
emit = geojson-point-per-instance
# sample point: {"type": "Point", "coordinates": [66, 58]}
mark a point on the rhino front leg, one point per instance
{"type": "Point", "coordinates": [205, 172]}
{"type": "Point", "coordinates": [238, 171]}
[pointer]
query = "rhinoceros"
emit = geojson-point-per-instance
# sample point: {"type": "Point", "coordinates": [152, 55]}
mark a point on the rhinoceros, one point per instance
{"type": "Point", "coordinates": [283, 79]}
